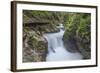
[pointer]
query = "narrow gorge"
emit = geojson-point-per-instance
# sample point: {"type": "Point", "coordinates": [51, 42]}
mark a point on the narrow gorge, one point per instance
{"type": "Point", "coordinates": [56, 36]}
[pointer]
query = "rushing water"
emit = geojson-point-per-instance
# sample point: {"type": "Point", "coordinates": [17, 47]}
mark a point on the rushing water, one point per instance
{"type": "Point", "coordinates": [56, 49]}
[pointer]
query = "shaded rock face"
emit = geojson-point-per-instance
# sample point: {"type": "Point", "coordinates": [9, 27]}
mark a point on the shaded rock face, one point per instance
{"type": "Point", "coordinates": [70, 45]}
{"type": "Point", "coordinates": [77, 44]}
{"type": "Point", "coordinates": [84, 48]}
{"type": "Point", "coordinates": [34, 48]}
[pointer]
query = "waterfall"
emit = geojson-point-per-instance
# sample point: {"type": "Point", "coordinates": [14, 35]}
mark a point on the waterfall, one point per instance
{"type": "Point", "coordinates": [56, 49]}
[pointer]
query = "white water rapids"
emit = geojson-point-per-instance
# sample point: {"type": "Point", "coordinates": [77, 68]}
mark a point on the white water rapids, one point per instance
{"type": "Point", "coordinates": [56, 49]}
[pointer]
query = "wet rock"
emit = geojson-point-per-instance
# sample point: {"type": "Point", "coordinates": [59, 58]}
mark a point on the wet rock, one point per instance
{"type": "Point", "coordinates": [70, 45]}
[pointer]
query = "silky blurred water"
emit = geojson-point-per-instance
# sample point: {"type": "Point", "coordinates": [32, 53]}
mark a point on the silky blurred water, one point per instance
{"type": "Point", "coordinates": [56, 49]}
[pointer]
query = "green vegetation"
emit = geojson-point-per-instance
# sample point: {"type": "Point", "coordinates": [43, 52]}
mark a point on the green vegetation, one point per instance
{"type": "Point", "coordinates": [77, 30]}
{"type": "Point", "coordinates": [76, 36]}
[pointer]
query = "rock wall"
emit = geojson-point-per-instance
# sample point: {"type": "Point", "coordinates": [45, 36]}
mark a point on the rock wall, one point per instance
{"type": "Point", "coordinates": [34, 47]}
{"type": "Point", "coordinates": [77, 36]}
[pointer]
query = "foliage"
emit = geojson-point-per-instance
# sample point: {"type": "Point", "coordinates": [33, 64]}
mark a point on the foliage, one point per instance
{"type": "Point", "coordinates": [71, 25]}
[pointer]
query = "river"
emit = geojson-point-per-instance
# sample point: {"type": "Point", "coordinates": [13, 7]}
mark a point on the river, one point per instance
{"type": "Point", "coordinates": [56, 49]}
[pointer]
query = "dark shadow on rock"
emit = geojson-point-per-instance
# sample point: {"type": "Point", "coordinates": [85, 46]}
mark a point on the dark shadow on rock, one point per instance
{"type": "Point", "coordinates": [70, 45]}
